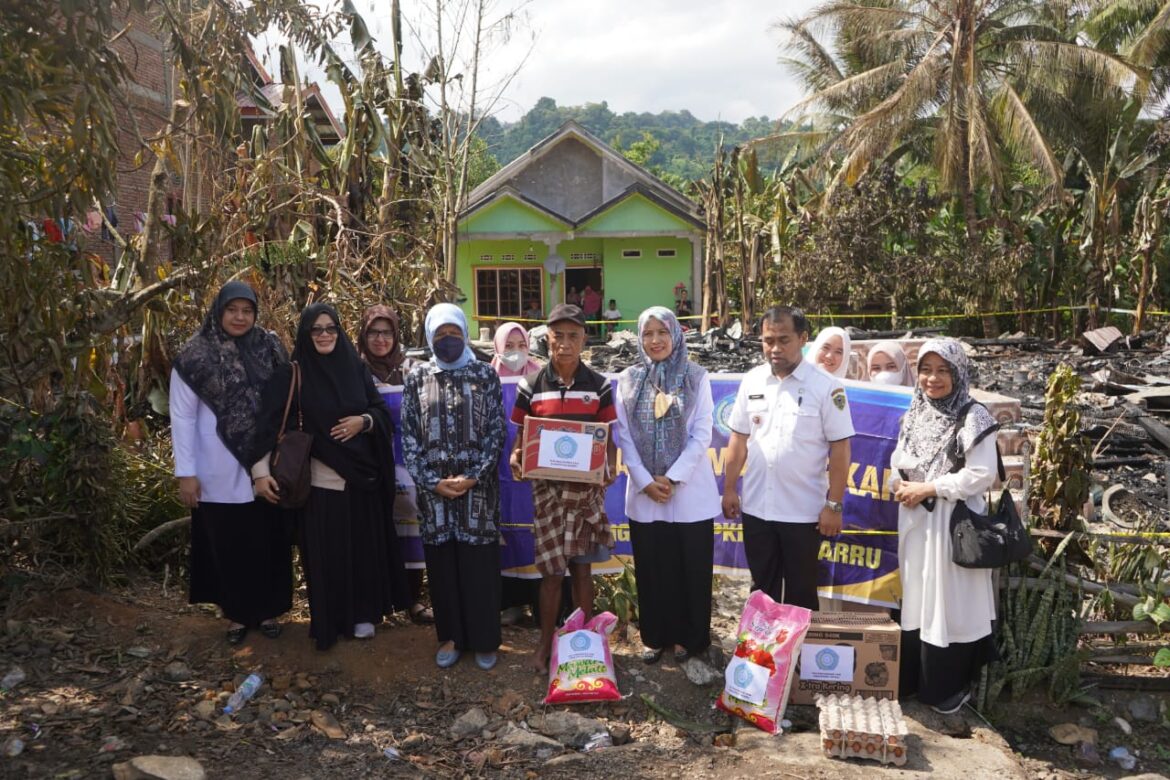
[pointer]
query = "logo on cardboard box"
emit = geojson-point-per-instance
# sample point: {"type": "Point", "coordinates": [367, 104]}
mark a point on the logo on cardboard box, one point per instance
{"type": "Point", "coordinates": [565, 447]}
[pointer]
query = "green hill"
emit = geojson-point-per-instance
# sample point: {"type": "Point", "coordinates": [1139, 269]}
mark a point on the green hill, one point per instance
{"type": "Point", "coordinates": [685, 144]}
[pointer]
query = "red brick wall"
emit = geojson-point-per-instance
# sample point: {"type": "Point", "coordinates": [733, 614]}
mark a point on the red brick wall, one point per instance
{"type": "Point", "coordinates": [147, 99]}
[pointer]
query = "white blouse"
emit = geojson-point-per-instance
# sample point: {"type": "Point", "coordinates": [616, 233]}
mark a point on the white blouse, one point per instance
{"type": "Point", "coordinates": [199, 452]}
{"type": "Point", "coordinates": [948, 603]}
{"type": "Point", "coordinates": [696, 496]}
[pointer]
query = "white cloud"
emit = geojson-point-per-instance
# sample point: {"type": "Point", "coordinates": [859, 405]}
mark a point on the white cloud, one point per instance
{"type": "Point", "coordinates": [717, 60]}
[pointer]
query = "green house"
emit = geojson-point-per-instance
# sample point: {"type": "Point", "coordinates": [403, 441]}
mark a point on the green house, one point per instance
{"type": "Point", "coordinates": [568, 213]}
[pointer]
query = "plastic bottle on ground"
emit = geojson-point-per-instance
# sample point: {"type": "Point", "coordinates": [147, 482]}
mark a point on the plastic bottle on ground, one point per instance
{"type": "Point", "coordinates": [14, 678]}
{"type": "Point", "coordinates": [245, 692]}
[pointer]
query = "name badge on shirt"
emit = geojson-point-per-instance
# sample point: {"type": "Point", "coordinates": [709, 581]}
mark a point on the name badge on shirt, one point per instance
{"type": "Point", "coordinates": [756, 397]}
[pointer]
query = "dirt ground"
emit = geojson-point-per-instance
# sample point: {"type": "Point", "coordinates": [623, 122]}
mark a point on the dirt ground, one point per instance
{"type": "Point", "coordinates": [136, 672]}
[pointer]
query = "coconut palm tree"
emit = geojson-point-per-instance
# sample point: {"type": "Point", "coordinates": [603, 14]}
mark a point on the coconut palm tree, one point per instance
{"type": "Point", "coordinates": [1140, 31]}
{"type": "Point", "coordinates": [974, 86]}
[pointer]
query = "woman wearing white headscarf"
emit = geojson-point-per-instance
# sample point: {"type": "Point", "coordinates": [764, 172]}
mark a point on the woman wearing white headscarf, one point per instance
{"type": "Point", "coordinates": [664, 411]}
{"type": "Point", "coordinates": [452, 436]}
{"type": "Point", "coordinates": [946, 453]}
{"type": "Point", "coordinates": [887, 365]}
{"type": "Point", "coordinates": [830, 351]}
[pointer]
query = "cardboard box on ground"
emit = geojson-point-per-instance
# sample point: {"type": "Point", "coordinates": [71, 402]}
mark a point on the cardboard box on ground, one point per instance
{"type": "Point", "coordinates": [849, 653]}
{"type": "Point", "coordinates": [565, 450]}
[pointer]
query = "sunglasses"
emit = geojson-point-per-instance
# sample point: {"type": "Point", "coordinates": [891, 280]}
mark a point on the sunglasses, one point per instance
{"type": "Point", "coordinates": [380, 334]}
{"type": "Point", "coordinates": [321, 330]}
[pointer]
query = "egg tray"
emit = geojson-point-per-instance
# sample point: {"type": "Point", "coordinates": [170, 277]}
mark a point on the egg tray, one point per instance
{"type": "Point", "coordinates": [868, 728]}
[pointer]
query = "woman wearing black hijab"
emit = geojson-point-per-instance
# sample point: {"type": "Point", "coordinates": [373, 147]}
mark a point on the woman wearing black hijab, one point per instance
{"type": "Point", "coordinates": [351, 577]}
{"type": "Point", "coordinates": [240, 550]}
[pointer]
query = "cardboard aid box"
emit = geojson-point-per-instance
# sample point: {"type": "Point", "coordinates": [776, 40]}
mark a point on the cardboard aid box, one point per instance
{"type": "Point", "coordinates": [851, 653]}
{"type": "Point", "coordinates": [565, 450]}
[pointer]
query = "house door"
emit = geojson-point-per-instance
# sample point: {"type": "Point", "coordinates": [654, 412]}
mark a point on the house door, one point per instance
{"type": "Point", "coordinates": [580, 278]}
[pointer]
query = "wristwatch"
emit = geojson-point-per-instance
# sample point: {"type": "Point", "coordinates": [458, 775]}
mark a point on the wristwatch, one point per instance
{"type": "Point", "coordinates": [836, 506]}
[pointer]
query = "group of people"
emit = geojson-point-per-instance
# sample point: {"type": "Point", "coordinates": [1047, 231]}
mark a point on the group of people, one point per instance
{"type": "Point", "coordinates": [790, 430]}
{"type": "Point", "coordinates": [886, 363]}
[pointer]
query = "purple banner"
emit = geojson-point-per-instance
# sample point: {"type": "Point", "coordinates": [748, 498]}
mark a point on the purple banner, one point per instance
{"type": "Point", "coordinates": [860, 567]}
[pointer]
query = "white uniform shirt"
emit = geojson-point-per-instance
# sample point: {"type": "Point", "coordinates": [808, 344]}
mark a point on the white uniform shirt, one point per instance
{"type": "Point", "coordinates": [199, 452]}
{"type": "Point", "coordinates": [789, 423]}
{"type": "Point", "coordinates": [696, 496]}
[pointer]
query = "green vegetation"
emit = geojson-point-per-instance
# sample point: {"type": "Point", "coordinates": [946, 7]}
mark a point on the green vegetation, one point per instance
{"type": "Point", "coordinates": [685, 144]}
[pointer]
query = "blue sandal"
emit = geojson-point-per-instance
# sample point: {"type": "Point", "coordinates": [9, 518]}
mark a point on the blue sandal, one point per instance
{"type": "Point", "coordinates": [447, 658]}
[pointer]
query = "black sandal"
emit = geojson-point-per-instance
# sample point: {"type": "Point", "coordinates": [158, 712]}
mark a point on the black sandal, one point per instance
{"type": "Point", "coordinates": [681, 656]}
{"type": "Point", "coordinates": [650, 655]}
{"type": "Point", "coordinates": [236, 635]}
{"type": "Point", "coordinates": [271, 630]}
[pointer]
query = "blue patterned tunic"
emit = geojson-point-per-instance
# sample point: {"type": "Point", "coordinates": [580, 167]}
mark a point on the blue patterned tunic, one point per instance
{"type": "Point", "coordinates": [452, 426]}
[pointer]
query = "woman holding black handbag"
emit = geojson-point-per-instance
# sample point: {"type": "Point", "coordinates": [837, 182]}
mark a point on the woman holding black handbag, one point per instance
{"type": "Point", "coordinates": [946, 453]}
{"type": "Point", "coordinates": [353, 579]}
{"type": "Point", "coordinates": [241, 556]}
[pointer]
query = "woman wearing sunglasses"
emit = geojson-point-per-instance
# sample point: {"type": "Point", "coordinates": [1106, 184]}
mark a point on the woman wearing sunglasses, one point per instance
{"type": "Point", "coordinates": [353, 574]}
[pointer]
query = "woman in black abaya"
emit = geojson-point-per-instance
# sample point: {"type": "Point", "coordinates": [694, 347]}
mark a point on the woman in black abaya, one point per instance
{"type": "Point", "coordinates": [351, 577]}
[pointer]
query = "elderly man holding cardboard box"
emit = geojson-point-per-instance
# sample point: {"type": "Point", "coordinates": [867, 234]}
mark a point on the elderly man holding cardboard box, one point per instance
{"type": "Point", "coordinates": [570, 528]}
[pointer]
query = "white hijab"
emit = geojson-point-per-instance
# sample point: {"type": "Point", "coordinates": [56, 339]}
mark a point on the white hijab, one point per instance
{"type": "Point", "coordinates": [846, 350]}
{"type": "Point", "coordinates": [904, 374]}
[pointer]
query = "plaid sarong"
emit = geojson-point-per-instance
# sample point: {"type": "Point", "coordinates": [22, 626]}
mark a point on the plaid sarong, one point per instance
{"type": "Point", "coordinates": [569, 521]}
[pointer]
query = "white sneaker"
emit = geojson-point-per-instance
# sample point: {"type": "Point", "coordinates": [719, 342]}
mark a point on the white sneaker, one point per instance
{"type": "Point", "coordinates": [363, 631]}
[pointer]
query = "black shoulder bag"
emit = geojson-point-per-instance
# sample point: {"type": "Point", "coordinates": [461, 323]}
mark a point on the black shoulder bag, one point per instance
{"type": "Point", "coordinates": [290, 463]}
{"type": "Point", "coordinates": [987, 541]}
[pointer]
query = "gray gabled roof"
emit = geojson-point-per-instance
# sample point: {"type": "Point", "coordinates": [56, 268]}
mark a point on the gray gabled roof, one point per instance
{"type": "Point", "coordinates": [649, 184]}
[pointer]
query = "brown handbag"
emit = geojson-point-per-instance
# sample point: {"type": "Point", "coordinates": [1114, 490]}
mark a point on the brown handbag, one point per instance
{"type": "Point", "coordinates": [290, 461]}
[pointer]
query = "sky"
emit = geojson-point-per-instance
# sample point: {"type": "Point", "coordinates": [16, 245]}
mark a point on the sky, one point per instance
{"type": "Point", "coordinates": [714, 58]}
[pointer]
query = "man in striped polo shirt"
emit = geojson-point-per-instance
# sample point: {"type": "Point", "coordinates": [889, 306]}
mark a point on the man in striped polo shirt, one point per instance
{"type": "Point", "coordinates": [570, 528]}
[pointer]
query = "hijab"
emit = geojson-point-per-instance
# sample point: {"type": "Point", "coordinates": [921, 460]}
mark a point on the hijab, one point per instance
{"type": "Point", "coordinates": [892, 348]}
{"type": "Point", "coordinates": [500, 340]}
{"type": "Point", "coordinates": [230, 373]}
{"type": "Point", "coordinates": [928, 430]}
{"type": "Point", "coordinates": [846, 349]}
{"type": "Point", "coordinates": [660, 434]}
{"type": "Point", "coordinates": [334, 386]}
{"type": "Point", "coordinates": [447, 314]}
{"type": "Point", "coordinates": [388, 368]}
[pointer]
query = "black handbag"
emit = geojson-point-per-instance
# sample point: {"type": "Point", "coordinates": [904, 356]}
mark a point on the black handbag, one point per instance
{"type": "Point", "coordinates": [987, 541]}
{"type": "Point", "coordinates": [290, 464]}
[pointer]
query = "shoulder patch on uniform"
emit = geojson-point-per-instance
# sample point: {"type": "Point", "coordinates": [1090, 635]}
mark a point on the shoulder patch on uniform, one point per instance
{"type": "Point", "coordinates": [838, 396]}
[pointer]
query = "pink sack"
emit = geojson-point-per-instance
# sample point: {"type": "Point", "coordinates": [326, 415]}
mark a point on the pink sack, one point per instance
{"type": "Point", "coordinates": [582, 666]}
{"type": "Point", "coordinates": [759, 675]}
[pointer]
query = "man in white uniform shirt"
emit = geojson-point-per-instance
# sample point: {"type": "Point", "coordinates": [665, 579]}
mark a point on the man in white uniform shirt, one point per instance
{"type": "Point", "coordinates": [789, 418]}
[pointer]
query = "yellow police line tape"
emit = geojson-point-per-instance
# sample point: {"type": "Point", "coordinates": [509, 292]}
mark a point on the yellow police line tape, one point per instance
{"type": "Point", "coordinates": [870, 532]}
{"type": "Point", "coordinates": [1084, 534]}
{"type": "Point", "coordinates": [870, 316]}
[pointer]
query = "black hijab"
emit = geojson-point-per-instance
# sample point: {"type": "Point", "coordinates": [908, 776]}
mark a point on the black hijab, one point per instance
{"type": "Point", "coordinates": [340, 385]}
{"type": "Point", "coordinates": [229, 374]}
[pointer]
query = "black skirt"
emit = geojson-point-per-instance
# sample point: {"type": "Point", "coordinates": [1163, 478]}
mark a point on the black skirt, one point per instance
{"type": "Point", "coordinates": [936, 674]}
{"type": "Point", "coordinates": [345, 556]}
{"type": "Point", "coordinates": [241, 560]}
{"type": "Point", "coordinates": [465, 593]}
{"type": "Point", "coordinates": [673, 569]}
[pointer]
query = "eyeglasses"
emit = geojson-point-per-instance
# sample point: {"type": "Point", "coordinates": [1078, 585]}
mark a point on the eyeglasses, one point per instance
{"type": "Point", "coordinates": [321, 330]}
{"type": "Point", "coordinates": [380, 334]}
